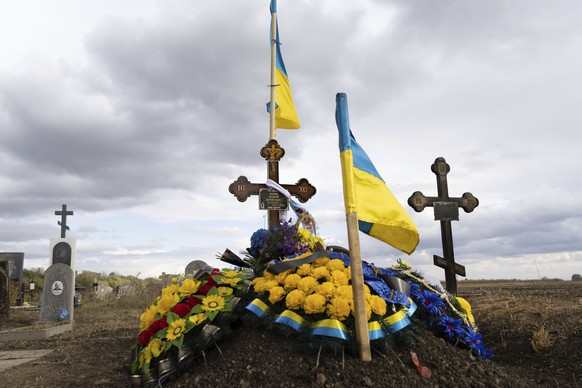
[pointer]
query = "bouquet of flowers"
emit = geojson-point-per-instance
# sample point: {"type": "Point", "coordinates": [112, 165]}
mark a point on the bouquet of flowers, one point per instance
{"type": "Point", "coordinates": [182, 312]}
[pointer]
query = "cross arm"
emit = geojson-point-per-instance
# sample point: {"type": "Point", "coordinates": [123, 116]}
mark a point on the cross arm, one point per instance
{"type": "Point", "coordinates": [303, 190]}
{"type": "Point", "coordinates": [419, 201]}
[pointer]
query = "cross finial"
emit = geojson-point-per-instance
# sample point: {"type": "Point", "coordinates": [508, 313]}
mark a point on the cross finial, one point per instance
{"type": "Point", "coordinates": [63, 222]}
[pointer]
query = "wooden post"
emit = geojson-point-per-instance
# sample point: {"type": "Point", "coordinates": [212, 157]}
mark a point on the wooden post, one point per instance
{"type": "Point", "coordinates": [361, 318]}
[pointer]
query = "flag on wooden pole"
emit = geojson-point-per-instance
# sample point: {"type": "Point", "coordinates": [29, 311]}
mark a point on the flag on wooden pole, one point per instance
{"type": "Point", "coordinates": [380, 215]}
{"type": "Point", "coordinates": [284, 115]}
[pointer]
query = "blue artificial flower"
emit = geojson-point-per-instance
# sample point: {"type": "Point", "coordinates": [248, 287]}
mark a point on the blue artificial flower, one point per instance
{"type": "Point", "coordinates": [63, 314]}
{"type": "Point", "coordinates": [452, 327]}
{"type": "Point", "coordinates": [414, 290]}
{"type": "Point", "coordinates": [257, 241]}
{"type": "Point", "coordinates": [475, 342]}
{"type": "Point", "coordinates": [431, 301]}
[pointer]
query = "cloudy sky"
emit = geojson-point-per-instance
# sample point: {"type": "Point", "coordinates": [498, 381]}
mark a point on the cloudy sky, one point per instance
{"type": "Point", "coordinates": [138, 114]}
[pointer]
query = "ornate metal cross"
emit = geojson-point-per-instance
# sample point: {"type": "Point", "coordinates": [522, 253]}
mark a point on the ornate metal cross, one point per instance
{"type": "Point", "coordinates": [242, 188]}
{"type": "Point", "coordinates": [63, 222]}
{"type": "Point", "coordinates": [446, 209]}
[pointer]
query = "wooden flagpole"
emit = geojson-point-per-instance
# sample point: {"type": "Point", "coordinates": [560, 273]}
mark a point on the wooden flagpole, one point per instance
{"type": "Point", "coordinates": [358, 288]}
{"type": "Point", "coordinates": [274, 37]}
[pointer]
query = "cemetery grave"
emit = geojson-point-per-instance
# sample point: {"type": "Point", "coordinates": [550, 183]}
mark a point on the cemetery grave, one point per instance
{"type": "Point", "coordinates": [96, 352]}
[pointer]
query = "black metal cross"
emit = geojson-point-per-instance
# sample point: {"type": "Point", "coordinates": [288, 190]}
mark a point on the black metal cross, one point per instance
{"type": "Point", "coordinates": [63, 222]}
{"type": "Point", "coordinates": [242, 188]}
{"type": "Point", "coordinates": [446, 209]}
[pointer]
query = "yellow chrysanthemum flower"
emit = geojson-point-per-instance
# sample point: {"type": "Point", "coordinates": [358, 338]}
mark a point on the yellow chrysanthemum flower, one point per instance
{"type": "Point", "coordinates": [281, 277]}
{"type": "Point", "coordinates": [320, 272]}
{"type": "Point", "coordinates": [314, 304]}
{"type": "Point", "coordinates": [156, 346]}
{"type": "Point", "coordinates": [338, 308]}
{"type": "Point", "coordinates": [291, 281]}
{"type": "Point", "coordinates": [348, 272]}
{"type": "Point", "coordinates": [189, 287]}
{"type": "Point", "coordinates": [378, 305]}
{"type": "Point", "coordinates": [326, 289]}
{"type": "Point", "coordinates": [276, 294]}
{"type": "Point", "coordinates": [307, 284]}
{"type": "Point", "coordinates": [317, 241]}
{"type": "Point", "coordinates": [224, 291]}
{"type": "Point", "coordinates": [344, 291]}
{"type": "Point", "coordinates": [264, 285]}
{"type": "Point", "coordinates": [467, 307]}
{"type": "Point", "coordinates": [304, 234]}
{"type": "Point", "coordinates": [147, 317]}
{"type": "Point", "coordinates": [198, 318]}
{"type": "Point", "coordinates": [176, 329]}
{"type": "Point", "coordinates": [339, 278]}
{"type": "Point", "coordinates": [304, 269]}
{"type": "Point", "coordinates": [213, 303]}
{"type": "Point", "coordinates": [336, 265]}
{"type": "Point", "coordinates": [322, 261]}
{"type": "Point", "coordinates": [295, 299]}
{"type": "Point", "coordinates": [166, 302]}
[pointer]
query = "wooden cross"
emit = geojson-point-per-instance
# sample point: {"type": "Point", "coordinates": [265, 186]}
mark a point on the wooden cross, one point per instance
{"type": "Point", "coordinates": [242, 188]}
{"type": "Point", "coordinates": [446, 209]}
{"type": "Point", "coordinates": [63, 222]}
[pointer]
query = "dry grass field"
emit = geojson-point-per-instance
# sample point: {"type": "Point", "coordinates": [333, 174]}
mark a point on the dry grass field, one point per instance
{"type": "Point", "coordinates": [533, 328]}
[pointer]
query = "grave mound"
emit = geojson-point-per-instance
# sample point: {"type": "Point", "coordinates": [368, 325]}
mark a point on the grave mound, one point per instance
{"type": "Point", "coordinates": [289, 284]}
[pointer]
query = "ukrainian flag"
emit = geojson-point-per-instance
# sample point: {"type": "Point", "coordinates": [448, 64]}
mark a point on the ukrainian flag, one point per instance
{"type": "Point", "coordinates": [285, 114]}
{"type": "Point", "coordinates": [380, 215]}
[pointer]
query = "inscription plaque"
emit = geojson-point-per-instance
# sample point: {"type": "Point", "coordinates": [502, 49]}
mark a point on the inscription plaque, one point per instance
{"type": "Point", "coordinates": [270, 199]}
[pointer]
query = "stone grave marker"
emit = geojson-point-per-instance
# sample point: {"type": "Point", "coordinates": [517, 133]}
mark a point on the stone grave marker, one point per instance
{"type": "Point", "coordinates": [446, 209]}
{"type": "Point", "coordinates": [58, 294]}
{"type": "Point", "coordinates": [196, 265]}
{"type": "Point", "coordinates": [15, 264]}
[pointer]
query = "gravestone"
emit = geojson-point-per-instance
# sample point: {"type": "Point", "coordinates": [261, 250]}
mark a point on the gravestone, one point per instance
{"type": "Point", "coordinates": [102, 289]}
{"type": "Point", "coordinates": [15, 264]}
{"type": "Point", "coordinates": [196, 265]}
{"type": "Point", "coordinates": [446, 209]}
{"type": "Point", "coordinates": [58, 294]}
{"type": "Point", "coordinates": [4, 297]}
{"type": "Point", "coordinates": [62, 250]}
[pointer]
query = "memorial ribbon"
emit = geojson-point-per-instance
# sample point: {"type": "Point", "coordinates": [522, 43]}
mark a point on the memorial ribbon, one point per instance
{"type": "Point", "coordinates": [300, 212]}
{"type": "Point", "coordinates": [277, 267]}
{"type": "Point", "coordinates": [258, 307]}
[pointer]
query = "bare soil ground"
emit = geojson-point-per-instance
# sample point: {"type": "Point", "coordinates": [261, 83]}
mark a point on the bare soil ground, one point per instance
{"type": "Point", "coordinates": [533, 328]}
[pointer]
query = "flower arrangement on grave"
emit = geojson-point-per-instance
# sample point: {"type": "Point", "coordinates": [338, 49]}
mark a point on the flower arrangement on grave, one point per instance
{"type": "Point", "coordinates": [178, 319]}
{"type": "Point", "coordinates": [302, 286]}
{"type": "Point", "coordinates": [298, 286]}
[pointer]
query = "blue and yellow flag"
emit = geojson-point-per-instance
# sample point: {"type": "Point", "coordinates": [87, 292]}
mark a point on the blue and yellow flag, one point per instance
{"type": "Point", "coordinates": [285, 114]}
{"type": "Point", "coordinates": [380, 215]}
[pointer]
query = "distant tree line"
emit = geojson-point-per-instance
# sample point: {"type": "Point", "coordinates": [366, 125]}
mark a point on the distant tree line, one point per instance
{"type": "Point", "coordinates": [87, 279]}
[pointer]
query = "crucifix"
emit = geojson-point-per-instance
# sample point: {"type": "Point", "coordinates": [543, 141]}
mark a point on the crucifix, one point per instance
{"type": "Point", "coordinates": [446, 209]}
{"type": "Point", "coordinates": [63, 222]}
{"type": "Point", "coordinates": [270, 199]}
